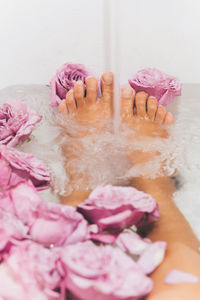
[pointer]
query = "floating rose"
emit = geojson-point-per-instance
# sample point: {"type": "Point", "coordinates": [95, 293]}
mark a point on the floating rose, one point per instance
{"type": "Point", "coordinates": [11, 230]}
{"type": "Point", "coordinates": [16, 166]}
{"type": "Point", "coordinates": [65, 79]}
{"type": "Point", "coordinates": [103, 272]}
{"type": "Point", "coordinates": [114, 208]}
{"type": "Point", "coordinates": [48, 223]}
{"type": "Point", "coordinates": [30, 272]}
{"type": "Point", "coordinates": [156, 83]}
{"type": "Point", "coordinates": [17, 122]}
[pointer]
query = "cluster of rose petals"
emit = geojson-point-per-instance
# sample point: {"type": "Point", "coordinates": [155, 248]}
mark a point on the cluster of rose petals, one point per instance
{"type": "Point", "coordinates": [48, 223]}
{"type": "Point", "coordinates": [103, 272]}
{"type": "Point", "coordinates": [17, 122]}
{"type": "Point", "coordinates": [16, 166]}
{"type": "Point", "coordinates": [177, 277]}
{"type": "Point", "coordinates": [114, 208]}
{"type": "Point", "coordinates": [30, 271]}
{"type": "Point", "coordinates": [156, 83]}
{"type": "Point", "coordinates": [11, 230]}
{"type": "Point", "coordinates": [65, 79]}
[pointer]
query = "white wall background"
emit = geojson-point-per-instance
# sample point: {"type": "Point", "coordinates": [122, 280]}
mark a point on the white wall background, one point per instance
{"type": "Point", "coordinates": [38, 36]}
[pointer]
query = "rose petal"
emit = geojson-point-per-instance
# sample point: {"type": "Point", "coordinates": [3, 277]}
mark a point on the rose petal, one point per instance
{"type": "Point", "coordinates": [177, 277]}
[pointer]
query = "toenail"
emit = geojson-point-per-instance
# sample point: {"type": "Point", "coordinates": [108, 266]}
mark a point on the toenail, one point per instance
{"type": "Point", "coordinates": [79, 82]}
{"type": "Point", "coordinates": [108, 78]}
{"type": "Point", "coordinates": [127, 92]}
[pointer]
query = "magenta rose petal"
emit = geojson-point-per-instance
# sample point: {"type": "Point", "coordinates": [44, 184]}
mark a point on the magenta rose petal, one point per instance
{"type": "Point", "coordinates": [114, 208]}
{"type": "Point", "coordinates": [177, 277]}
{"type": "Point", "coordinates": [18, 166]}
{"type": "Point", "coordinates": [152, 257]}
{"type": "Point", "coordinates": [103, 272]}
{"type": "Point", "coordinates": [156, 83]}
{"type": "Point", "coordinates": [17, 122]}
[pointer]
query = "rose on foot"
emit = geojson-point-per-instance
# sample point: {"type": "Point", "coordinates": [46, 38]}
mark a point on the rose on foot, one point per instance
{"type": "Point", "coordinates": [65, 79]}
{"type": "Point", "coordinates": [156, 83]}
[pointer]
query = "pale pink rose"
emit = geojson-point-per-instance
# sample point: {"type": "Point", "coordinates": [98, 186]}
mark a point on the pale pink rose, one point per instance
{"type": "Point", "coordinates": [65, 79]}
{"type": "Point", "coordinates": [177, 277]}
{"type": "Point", "coordinates": [156, 83]}
{"type": "Point", "coordinates": [48, 223]}
{"type": "Point", "coordinates": [114, 208]}
{"type": "Point", "coordinates": [32, 272]}
{"type": "Point", "coordinates": [17, 122]}
{"type": "Point", "coordinates": [103, 272]}
{"type": "Point", "coordinates": [16, 166]}
{"type": "Point", "coordinates": [11, 230]}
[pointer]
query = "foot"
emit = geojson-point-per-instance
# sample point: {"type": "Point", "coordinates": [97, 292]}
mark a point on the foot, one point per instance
{"type": "Point", "coordinates": [85, 108]}
{"type": "Point", "coordinates": [85, 115]}
{"type": "Point", "coordinates": [145, 119]}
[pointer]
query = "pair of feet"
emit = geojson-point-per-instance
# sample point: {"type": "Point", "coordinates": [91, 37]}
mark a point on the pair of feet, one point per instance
{"type": "Point", "coordinates": [139, 112]}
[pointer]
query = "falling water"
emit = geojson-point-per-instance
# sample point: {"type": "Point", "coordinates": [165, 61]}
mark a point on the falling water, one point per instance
{"type": "Point", "coordinates": [112, 52]}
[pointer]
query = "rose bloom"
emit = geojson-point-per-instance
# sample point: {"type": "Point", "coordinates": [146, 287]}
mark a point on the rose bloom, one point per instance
{"type": "Point", "coordinates": [17, 122]}
{"type": "Point", "coordinates": [103, 272]}
{"type": "Point", "coordinates": [156, 83]}
{"type": "Point", "coordinates": [11, 230]}
{"type": "Point", "coordinates": [31, 272]}
{"type": "Point", "coordinates": [115, 208]}
{"type": "Point", "coordinates": [48, 223]}
{"type": "Point", "coordinates": [65, 79]}
{"type": "Point", "coordinates": [16, 166]}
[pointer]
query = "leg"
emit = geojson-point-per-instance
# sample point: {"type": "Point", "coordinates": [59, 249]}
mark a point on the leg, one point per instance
{"type": "Point", "coordinates": [182, 251]}
{"type": "Point", "coordinates": [92, 115]}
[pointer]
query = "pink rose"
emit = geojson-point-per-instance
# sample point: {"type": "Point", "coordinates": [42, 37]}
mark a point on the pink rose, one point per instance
{"type": "Point", "coordinates": [16, 166]}
{"type": "Point", "coordinates": [114, 208]}
{"type": "Point", "coordinates": [156, 83]}
{"type": "Point", "coordinates": [11, 230]}
{"type": "Point", "coordinates": [48, 223]}
{"type": "Point", "coordinates": [65, 79]}
{"type": "Point", "coordinates": [17, 122]}
{"type": "Point", "coordinates": [103, 272]}
{"type": "Point", "coordinates": [30, 271]}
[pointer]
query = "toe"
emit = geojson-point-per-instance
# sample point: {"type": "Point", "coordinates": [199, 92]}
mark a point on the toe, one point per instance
{"type": "Point", "coordinates": [70, 101]}
{"type": "Point", "coordinates": [127, 101]}
{"type": "Point", "coordinates": [169, 119]}
{"type": "Point", "coordinates": [151, 107]}
{"type": "Point", "coordinates": [107, 87]}
{"type": "Point", "coordinates": [141, 104]}
{"type": "Point", "coordinates": [91, 89]}
{"type": "Point", "coordinates": [63, 107]}
{"type": "Point", "coordinates": [160, 114]}
{"type": "Point", "coordinates": [79, 91]}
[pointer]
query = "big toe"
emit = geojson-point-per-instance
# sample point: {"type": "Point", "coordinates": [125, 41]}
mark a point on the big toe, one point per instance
{"type": "Point", "coordinates": [107, 87]}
